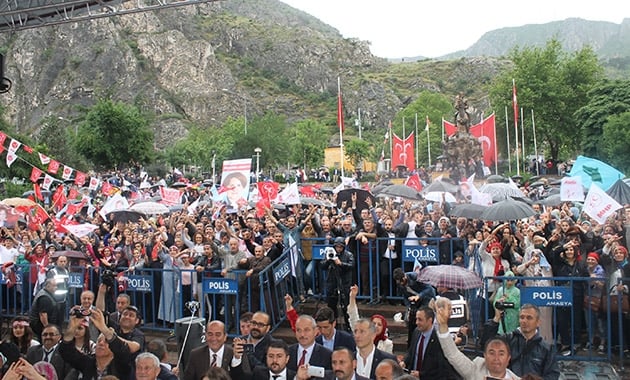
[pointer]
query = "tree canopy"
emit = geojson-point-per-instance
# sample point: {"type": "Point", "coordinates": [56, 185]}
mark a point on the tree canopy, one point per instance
{"type": "Point", "coordinates": [113, 134]}
{"type": "Point", "coordinates": [554, 84]}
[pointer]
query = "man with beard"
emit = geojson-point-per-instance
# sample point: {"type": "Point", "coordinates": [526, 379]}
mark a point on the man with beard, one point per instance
{"type": "Point", "coordinates": [276, 360]}
{"type": "Point", "coordinates": [258, 336]}
{"type": "Point", "coordinates": [344, 364]}
{"type": "Point", "coordinates": [48, 351]}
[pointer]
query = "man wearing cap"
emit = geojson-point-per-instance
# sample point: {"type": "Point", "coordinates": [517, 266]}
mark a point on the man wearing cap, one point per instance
{"type": "Point", "coordinates": [128, 331]}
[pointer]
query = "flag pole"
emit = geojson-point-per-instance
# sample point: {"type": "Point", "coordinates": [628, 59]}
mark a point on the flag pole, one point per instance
{"type": "Point", "coordinates": [496, 148]}
{"type": "Point", "coordinates": [417, 138]}
{"type": "Point", "coordinates": [523, 140]}
{"type": "Point", "coordinates": [507, 137]}
{"type": "Point", "coordinates": [442, 128]}
{"type": "Point", "coordinates": [404, 140]}
{"type": "Point", "coordinates": [428, 141]}
{"type": "Point", "coordinates": [535, 146]}
{"type": "Point", "coordinates": [340, 124]}
{"type": "Point", "coordinates": [515, 106]}
{"type": "Point", "coordinates": [391, 146]}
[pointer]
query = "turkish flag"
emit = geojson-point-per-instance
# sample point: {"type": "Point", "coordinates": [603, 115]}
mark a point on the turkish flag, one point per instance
{"type": "Point", "coordinates": [37, 216]}
{"type": "Point", "coordinates": [53, 167]}
{"type": "Point", "coordinates": [59, 197]}
{"type": "Point", "coordinates": [307, 191]}
{"type": "Point", "coordinates": [268, 190]}
{"type": "Point", "coordinates": [73, 193]}
{"type": "Point", "coordinates": [414, 182]}
{"type": "Point", "coordinates": [35, 174]}
{"type": "Point", "coordinates": [38, 192]}
{"type": "Point", "coordinates": [403, 152]}
{"type": "Point", "coordinates": [484, 132]}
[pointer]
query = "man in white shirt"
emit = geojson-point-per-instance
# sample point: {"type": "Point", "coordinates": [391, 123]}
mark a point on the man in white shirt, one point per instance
{"type": "Point", "coordinates": [306, 351]}
{"type": "Point", "coordinates": [368, 356]}
{"type": "Point", "coordinates": [276, 360]}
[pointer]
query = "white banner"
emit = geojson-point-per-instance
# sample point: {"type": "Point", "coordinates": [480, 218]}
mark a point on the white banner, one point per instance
{"type": "Point", "coordinates": [571, 189]}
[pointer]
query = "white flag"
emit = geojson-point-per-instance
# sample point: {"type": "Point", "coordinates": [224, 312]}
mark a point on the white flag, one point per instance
{"type": "Point", "coordinates": [599, 205]}
{"type": "Point", "coordinates": [80, 230]}
{"type": "Point", "coordinates": [290, 195]}
{"type": "Point", "coordinates": [11, 157]}
{"type": "Point", "coordinates": [571, 189]}
{"type": "Point", "coordinates": [93, 183]}
{"type": "Point", "coordinates": [67, 172]}
{"type": "Point", "coordinates": [116, 202]}
{"type": "Point", "coordinates": [14, 145]}
{"type": "Point", "coordinates": [48, 180]}
{"type": "Point", "coordinates": [44, 159]}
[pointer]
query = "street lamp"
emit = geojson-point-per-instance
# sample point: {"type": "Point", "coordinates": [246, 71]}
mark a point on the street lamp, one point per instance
{"type": "Point", "coordinates": [244, 103]}
{"type": "Point", "coordinates": [257, 151]}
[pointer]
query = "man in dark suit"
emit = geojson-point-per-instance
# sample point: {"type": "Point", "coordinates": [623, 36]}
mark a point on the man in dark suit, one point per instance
{"type": "Point", "coordinates": [275, 367]}
{"type": "Point", "coordinates": [48, 352]}
{"type": "Point", "coordinates": [329, 336]}
{"type": "Point", "coordinates": [364, 334]}
{"type": "Point", "coordinates": [306, 351]}
{"type": "Point", "coordinates": [214, 354]}
{"type": "Point", "coordinates": [425, 358]}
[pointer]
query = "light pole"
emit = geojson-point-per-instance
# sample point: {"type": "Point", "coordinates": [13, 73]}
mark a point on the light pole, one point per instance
{"type": "Point", "coordinates": [244, 103]}
{"type": "Point", "coordinates": [257, 151]}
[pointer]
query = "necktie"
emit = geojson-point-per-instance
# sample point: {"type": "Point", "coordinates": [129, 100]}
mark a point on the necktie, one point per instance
{"type": "Point", "coordinates": [47, 355]}
{"type": "Point", "coordinates": [302, 359]}
{"type": "Point", "coordinates": [214, 360]}
{"type": "Point", "coordinates": [275, 377]}
{"type": "Point", "coordinates": [420, 353]}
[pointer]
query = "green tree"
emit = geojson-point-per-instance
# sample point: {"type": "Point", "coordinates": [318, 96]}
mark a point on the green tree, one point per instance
{"type": "Point", "coordinates": [616, 141]}
{"type": "Point", "coordinates": [607, 99]}
{"type": "Point", "coordinates": [308, 139]}
{"type": "Point", "coordinates": [356, 151]}
{"type": "Point", "coordinates": [554, 84]}
{"type": "Point", "coordinates": [55, 141]}
{"type": "Point", "coordinates": [114, 133]}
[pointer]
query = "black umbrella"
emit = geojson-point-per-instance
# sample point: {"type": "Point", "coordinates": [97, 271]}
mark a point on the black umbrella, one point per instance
{"type": "Point", "coordinates": [362, 195]}
{"type": "Point", "coordinates": [495, 178]}
{"type": "Point", "coordinates": [402, 191]}
{"type": "Point", "coordinates": [70, 254]}
{"type": "Point", "coordinates": [620, 191]}
{"type": "Point", "coordinates": [178, 184]}
{"type": "Point", "coordinates": [125, 216]}
{"type": "Point", "coordinates": [441, 186]}
{"type": "Point", "coordinates": [467, 210]}
{"type": "Point", "coordinates": [508, 209]}
{"type": "Point", "coordinates": [552, 200]}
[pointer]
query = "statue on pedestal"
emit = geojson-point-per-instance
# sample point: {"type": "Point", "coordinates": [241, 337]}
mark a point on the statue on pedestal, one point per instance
{"type": "Point", "coordinates": [462, 149]}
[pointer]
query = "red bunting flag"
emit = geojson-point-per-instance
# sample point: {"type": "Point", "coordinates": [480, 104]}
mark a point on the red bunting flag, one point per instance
{"type": "Point", "coordinates": [79, 178]}
{"type": "Point", "coordinates": [35, 174]}
{"type": "Point", "coordinates": [53, 167]}
{"type": "Point", "coordinates": [3, 137]}
{"type": "Point", "coordinates": [28, 149]}
{"type": "Point", "coordinates": [73, 193]}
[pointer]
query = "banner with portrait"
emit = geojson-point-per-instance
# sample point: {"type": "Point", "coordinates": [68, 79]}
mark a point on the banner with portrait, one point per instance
{"type": "Point", "coordinates": [234, 189]}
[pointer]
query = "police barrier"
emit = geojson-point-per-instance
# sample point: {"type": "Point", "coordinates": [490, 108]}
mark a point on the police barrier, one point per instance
{"type": "Point", "coordinates": [564, 316]}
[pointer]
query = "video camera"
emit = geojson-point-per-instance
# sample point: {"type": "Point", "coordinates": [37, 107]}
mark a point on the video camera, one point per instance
{"type": "Point", "coordinates": [330, 253]}
{"type": "Point", "coordinates": [108, 278]}
{"type": "Point", "coordinates": [502, 305]}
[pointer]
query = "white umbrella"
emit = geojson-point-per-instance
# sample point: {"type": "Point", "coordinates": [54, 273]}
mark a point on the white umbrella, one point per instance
{"type": "Point", "coordinates": [438, 196]}
{"type": "Point", "coordinates": [150, 208]}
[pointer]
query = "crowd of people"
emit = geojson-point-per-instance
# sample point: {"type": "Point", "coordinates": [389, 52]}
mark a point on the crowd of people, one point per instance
{"type": "Point", "coordinates": [182, 248]}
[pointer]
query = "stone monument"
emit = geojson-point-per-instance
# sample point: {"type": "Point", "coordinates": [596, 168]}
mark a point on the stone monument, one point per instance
{"type": "Point", "coordinates": [461, 149]}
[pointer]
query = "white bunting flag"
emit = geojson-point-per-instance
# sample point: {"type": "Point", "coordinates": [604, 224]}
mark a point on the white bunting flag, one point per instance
{"type": "Point", "coordinates": [67, 172]}
{"type": "Point", "coordinates": [93, 183]}
{"type": "Point", "coordinates": [44, 159]}
{"type": "Point", "coordinates": [48, 180]}
{"type": "Point", "coordinates": [11, 157]}
{"type": "Point", "coordinates": [14, 145]}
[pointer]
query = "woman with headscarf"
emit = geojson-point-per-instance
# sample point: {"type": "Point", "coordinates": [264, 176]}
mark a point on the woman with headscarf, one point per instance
{"type": "Point", "coordinates": [617, 267]}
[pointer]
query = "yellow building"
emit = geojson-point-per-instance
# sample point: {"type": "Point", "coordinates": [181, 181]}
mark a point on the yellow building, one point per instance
{"type": "Point", "coordinates": [332, 158]}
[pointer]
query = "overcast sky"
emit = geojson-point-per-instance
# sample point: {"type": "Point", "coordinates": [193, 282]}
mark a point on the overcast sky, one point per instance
{"type": "Point", "coordinates": [407, 28]}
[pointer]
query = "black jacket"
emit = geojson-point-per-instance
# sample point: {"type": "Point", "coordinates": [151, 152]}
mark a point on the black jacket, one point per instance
{"type": "Point", "coordinates": [534, 356]}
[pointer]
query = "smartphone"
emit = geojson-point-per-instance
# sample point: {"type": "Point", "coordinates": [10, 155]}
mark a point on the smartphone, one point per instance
{"type": "Point", "coordinates": [314, 371]}
{"type": "Point", "coordinates": [248, 348]}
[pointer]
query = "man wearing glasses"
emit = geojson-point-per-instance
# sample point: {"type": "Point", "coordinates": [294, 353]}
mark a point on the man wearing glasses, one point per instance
{"type": "Point", "coordinates": [258, 336]}
{"type": "Point", "coordinates": [48, 352]}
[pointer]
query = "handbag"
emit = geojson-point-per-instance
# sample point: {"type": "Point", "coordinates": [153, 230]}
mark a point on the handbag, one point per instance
{"type": "Point", "coordinates": [592, 302]}
{"type": "Point", "coordinates": [615, 303]}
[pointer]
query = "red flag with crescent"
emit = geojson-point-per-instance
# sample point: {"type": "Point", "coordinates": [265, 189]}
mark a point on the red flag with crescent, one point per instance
{"type": "Point", "coordinates": [268, 190]}
{"type": "Point", "coordinates": [484, 132]}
